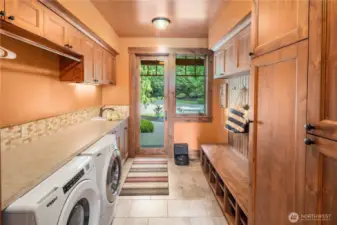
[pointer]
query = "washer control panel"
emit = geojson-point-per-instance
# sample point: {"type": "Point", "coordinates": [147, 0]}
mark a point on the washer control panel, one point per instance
{"type": "Point", "coordinates": [73, 181]}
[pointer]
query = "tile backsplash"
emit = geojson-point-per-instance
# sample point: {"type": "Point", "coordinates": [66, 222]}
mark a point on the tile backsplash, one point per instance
{"type": "Point", "coordinates": [13, 136]}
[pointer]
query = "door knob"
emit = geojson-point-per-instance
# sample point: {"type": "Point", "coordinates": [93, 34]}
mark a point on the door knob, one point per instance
{"type": "Point", "coordinates": [2, 13]}
{"type": "Point", "coordinates": [308, 141]}
{"type": "Point", "coordinates": [11, 18]}
{"type": "Point", "coordinates": [309, 127]}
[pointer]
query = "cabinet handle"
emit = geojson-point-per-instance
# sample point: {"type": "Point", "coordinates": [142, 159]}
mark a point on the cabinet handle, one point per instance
{"type": "Point", "coordinates": [95, 80]}
{"type": "Point", "coordinates": [2, 13]}
{"type": "Point", "coordinates": [66, 45]}
{"type": "Point", "coordinates": [251, 53]}
{"type": "Point", "coordinates": [308, 141]}
{"type": "Point", "coordinates": [70, 46]}
{"type": "Point", "coordinates": [309, 127]}
{"type": "Point", "coordinates": [11, 18]}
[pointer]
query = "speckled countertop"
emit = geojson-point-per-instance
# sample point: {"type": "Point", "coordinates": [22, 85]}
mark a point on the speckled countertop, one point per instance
{"type": "Point", "coordinates": [27, 165]}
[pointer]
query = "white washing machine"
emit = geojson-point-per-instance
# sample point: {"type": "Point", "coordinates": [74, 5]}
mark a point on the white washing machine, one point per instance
{"type": "Point", "coordinates": [109, 172]}
{"type": "Point", "coordinates": [70, 196]}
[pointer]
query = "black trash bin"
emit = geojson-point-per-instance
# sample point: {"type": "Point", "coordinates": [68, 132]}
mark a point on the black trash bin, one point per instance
{"type": "Point", "coordinates": [181, 154]}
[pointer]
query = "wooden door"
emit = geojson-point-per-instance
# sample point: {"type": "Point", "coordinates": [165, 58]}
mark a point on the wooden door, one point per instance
{"type": "Point", "coordinates": [321, 181]}
{"type": "Point", "coordinates": [126, 140]}
{"type": "Point", "coordinates": [74, 39]}
{"type": "Point", "coordinates": [219, 63]}
{"type": "Point", "coordinates": [278, 23]}
{"type": "Point", "coordinates": [322, 95]}
{"type": "Point", "coordinates": [55, 28]}
{"type": "Point", "coordinates": [87, 48]}
{"type": "Point", "coordinates": [278, 91]}
{"type": "Point", "coordinates": [243, 47]}
{"type": "Point", "coordinates": [27, 14]}
{"type": "Point", "coordinates": [98, 63]}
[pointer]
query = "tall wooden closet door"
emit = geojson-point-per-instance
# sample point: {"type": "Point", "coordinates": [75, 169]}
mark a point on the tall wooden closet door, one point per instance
{"type": "Point", "coordinates": [278, 23]}
{"type": "Point", "coordinates": [321, 181]}
{"type": "Point", "coordinates": [279, 91]}
{"type": "Point", "coordinates": [322, 95]}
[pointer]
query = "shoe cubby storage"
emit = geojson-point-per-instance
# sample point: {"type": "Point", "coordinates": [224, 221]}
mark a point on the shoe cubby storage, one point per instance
{"type": "Point", "coordinates": [227, 175]}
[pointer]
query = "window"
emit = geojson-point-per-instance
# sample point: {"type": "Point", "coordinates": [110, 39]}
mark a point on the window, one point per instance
{"type": "Point", "coordinates": [191, 86]}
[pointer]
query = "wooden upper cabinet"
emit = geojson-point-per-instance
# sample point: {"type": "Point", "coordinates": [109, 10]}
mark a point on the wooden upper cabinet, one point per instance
{"type": "Point", "coordinates": [27, 14]}
{"type": "Point", "coordinates": [278, 92]}
{"type": "Point", "coordinates": [2, 8]}
{"type": "Point", "coordinates": [243, 40]}
{"type": "Point", "coordinates": [233, 57]}
{"type": "Point", "coordinates": [320, 180]}
{"type": "Point", "coordinates": [109, 68]}
{"type": "Point", "coordinates": [55, 28]}
{"type": "Point", "coordinates": [98, 63]}
{"type": "Point", "coordinates": [219, 63]}
{"type": "Point", "coordinates": [74, 39]}
{"type": "Point", "coordinates": [278, 23]}
{"type": "Point", "coordinates": [87, 49]}
{"type": "Point", "coordinates": [322, 75]}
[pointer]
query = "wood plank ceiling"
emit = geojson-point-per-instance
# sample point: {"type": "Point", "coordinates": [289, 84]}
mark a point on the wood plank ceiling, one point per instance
{"type": "Point", "coordinates": [132, 18]}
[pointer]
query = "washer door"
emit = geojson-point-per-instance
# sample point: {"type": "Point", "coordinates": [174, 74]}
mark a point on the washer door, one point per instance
{"type": "Point", "coordinates": [82, 206]}
{"type": "Point", "coordinates": [113, 177]}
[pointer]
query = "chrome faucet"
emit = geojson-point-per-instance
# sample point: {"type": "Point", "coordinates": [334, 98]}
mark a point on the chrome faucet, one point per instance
{"type": "Point", "coordinates": [102, 109]}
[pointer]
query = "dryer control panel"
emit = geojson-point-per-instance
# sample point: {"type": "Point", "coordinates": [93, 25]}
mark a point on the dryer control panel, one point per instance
{"type": "Point", "coordinates": [73, 181]}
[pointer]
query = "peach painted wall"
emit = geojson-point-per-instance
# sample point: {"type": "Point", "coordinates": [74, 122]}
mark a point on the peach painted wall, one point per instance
{"type": "Point", "coordinates": [192, 133]}
{"type": "Point", "coordinates": [230, 15]}
{"type": "Point", "coordinates": [31, 90]}
{"type": "Point", "coordinates": [85, 11]}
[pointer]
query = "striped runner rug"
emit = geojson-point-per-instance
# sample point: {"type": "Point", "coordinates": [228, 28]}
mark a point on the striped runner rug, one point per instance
{"type": "Point", "coordinates": [147, 176]}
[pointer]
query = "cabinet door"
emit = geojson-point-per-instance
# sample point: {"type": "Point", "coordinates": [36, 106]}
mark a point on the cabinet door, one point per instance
{"type": "Point", "coordinates": [278, 90]}
{"type": "Point", "coordinates": [55, 28]}
{"type": "Point", "coordinates": [126, 141]}
{"type": "Point", "coordinates": [278, 23]}
{"type": "Point", "coordinates": [322, 95]}
{"type": "Point", "coordinates": [2, 8]}
{"type": "Point", "coordinates": [219, 63]}
{"type": "Point", "coordinates": [87, 48]}
{"type": "Point", "coordinates": [243, 48]}
{"type": "Point", "coordinates": [107, 67]}
{"type": "Point", "coordinates": [230, 57]}
{"type": "Point", "coordinates": [27, 14]}
{"type": "Point", "coordinates": [74, 39]}
{"type": "Point", "coordinates": [321, 180]}
{"type": "Point", "coordinates": [98, 63]}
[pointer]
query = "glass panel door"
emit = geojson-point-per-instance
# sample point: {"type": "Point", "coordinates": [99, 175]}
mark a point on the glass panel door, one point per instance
{"type": "Point", "coordinates": [153, 113]}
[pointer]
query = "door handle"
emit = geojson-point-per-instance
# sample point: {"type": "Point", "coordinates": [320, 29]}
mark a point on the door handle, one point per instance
{"type": "Point", "coordinates": [165, 115]}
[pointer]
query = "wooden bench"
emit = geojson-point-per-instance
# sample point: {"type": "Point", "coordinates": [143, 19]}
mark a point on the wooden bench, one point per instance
{"type": "Point", "coordinates": [227, 174]}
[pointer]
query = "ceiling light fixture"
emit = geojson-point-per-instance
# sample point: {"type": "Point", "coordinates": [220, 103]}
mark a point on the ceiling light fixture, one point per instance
{"type": "Point", "coordinates": [161, 23]}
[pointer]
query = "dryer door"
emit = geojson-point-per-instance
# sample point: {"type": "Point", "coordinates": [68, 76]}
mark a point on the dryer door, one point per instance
{"type": "Point", "coordinates": [82, 206]}
{"type": "Point", "coordinates": [113, 177]}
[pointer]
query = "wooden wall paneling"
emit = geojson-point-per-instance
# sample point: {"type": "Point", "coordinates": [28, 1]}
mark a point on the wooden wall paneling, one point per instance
{"type": "Point", "coordinates": [54, 28]}
{"type": "Point", "coordinates": [279, 113]}
{"type": "Point", "coordinates": [27, 14]}
{"type": "Point", "coordinates": [239, 142]}
{"type": "Point", "coordinates": [322, 97]}
{"type": "Point", "coordinates": [277, 24]}
{"type": "Point", "coordinates": [321, 180]}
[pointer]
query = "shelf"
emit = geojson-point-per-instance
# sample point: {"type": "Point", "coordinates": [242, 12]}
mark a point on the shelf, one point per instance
{"type": "Point", "coordinates": [242, 221]}
{"type": "Point", "coordinates": [230, 219]}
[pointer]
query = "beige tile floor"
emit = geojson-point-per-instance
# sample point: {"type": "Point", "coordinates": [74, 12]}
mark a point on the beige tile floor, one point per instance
{"type": "Point", "coordinates": [190, 202]}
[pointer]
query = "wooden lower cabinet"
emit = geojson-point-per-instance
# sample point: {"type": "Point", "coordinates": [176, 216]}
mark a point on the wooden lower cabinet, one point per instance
{"type": "Point", "coordinates": [27, 14]}
{"type": "Point", "coordinates": [278, 102]}
{"type": "Point", "coordinates": [321, 181]}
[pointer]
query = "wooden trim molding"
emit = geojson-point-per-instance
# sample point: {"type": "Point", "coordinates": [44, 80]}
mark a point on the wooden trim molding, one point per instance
{"type": "Point", "coordinates": [60, 10]}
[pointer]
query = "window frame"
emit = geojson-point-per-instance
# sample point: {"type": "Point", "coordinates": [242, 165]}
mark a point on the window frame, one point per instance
{"type": "Point", "coordinates": [208, 81]}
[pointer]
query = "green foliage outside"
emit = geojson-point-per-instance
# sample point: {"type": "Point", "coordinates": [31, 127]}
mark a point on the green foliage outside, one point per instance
{"type": "Point", "coordinates": [189, 88]}
{"type": "Point", "coordinates": [146, 126]}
